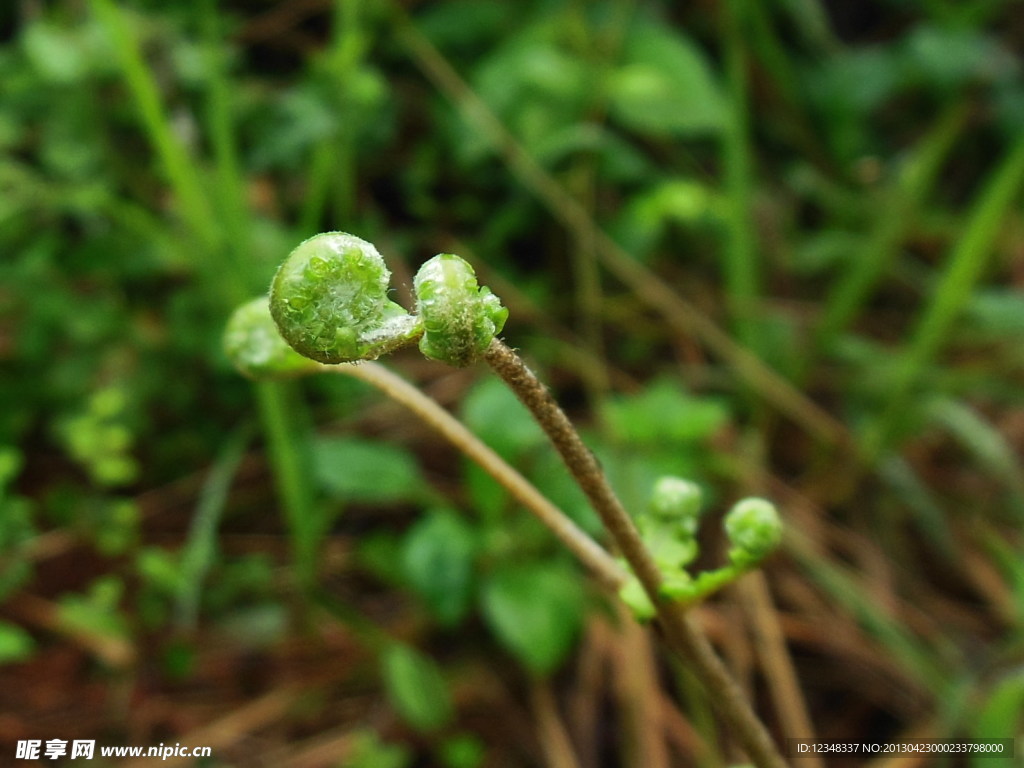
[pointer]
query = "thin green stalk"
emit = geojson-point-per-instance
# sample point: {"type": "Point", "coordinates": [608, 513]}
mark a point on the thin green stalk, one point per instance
{"type": "Point", "coordinates": [321, 170]}
{"type": "Point", "coordinates": [773, 59]}
{"type": "Point", "coordinates": [290, 479]}
{"type": "Point", "coordinates": [230, 187]}
{"type": "Point", "coordinates": [961, 273]}
{"type": "Point", "coordinates": [177, 165]}
{"type": "Point", "coordinates": [332, 171]}
{"type": "Point", "coordinates": [742, 281]}
{"type": "Point", "coordinates": [346, 57]}
{"type": "Point", "coordinates": [199, 552]}
{"type": "Point", "coordinates": [680, 632]}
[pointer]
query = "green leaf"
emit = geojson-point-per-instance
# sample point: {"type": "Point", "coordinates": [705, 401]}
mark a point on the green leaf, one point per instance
{"type": "Point", "coordinates": [536, 612]}
{"type": "Point", "coordinates": [1001, 716]}
{"type": "Point", "coordinates": [365, 471]}
{"type": "Point", "coordinates": [947, 58]}
{"type": "Point", "coordinates": [462, 751]}
{"type": "Point", "coordinates": [494, 414]}
{"type": "Point", "coordinates": [547, 473]}
{"type": "Point", "coordinates": [416, 688]}
{"type": "Point", "coordinates": [380, 552]}
{"type": "Point", "coordinates": [997, 312]}
{"type": "Point", "coordinates": [487, 496]}
{"type": "Point", "coordinates": [370, 751]}
{"type": "Point", "coordinates": [11, 462]}
{"type": "Point", "coordinates": [681, 200]}
{"type": "Point", "coordinates": [855, 81]}
{"type": "Point", "coordinates": [96, 611]}
{"type": "Point", "coordinates": [534, 85]}
{"type": "Point", "coordinates": [57, 54]}
{"type": "Point", "coordinates": [664, 412]}
{"type": "Point", "coordinates": [15, 643]}
{"type": "Point", "coordinates": [161, 570]}
{"type": "Point", "coordinates": [460, 24]}
{"type": "Point", "coordinates": [500, 420]}
{"type": "Point", "coordinates": [664, 85]}
{"type": "Point", "coordinates": [438, 559]}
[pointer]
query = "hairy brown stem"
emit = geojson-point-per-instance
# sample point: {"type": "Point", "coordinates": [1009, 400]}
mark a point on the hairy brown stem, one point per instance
{"type": "Point", "coordinates": [681, 634]}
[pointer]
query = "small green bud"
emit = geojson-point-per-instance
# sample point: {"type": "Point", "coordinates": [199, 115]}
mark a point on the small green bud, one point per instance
{"type": "Point", "coordinates": [754, 528]}
{"type": "Point", "coordinates": [459, 318]}
{"type": "Point", "coordinates": [255, 347]}
{"type": "Point", "coordinates": [329, 300]}
{"type": "Point", "coordinates": [678, 500]}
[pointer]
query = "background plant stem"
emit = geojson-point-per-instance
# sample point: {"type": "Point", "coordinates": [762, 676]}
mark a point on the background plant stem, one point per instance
{"type": "Point", "coordinates": [741, 258]}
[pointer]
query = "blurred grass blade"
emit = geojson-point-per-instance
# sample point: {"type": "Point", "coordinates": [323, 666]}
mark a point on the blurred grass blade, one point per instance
{"type": "Point", "coordinates": [1008, 556]}
{"type": "Point", "coordinates": [741, 259]}
{"type": "Point", "coordinates": [332, 166]}
{"type": "Point", "coordinates": [773, 59]}
{"type": "Point", "coordinates": [229, 188]}
{"type": "Point", "coordinates": [290, 476]}
{"type": "Point", "coordinates": [959, 276]}
{"type": "Point", "coordinates": [176, 164]}
{"type": "Point", "coordinates": [988, 445]}
{"type": "Point", "coordinates": [1001, 716]}
{"type": "Point", "coordinates": [929, 516]}
{"type": "Point", "coordinates": [416, 687]}
{"type": "Point", "coordinates": [902, 201]}
{"type": "Point", "coordinates": [199, 552]}
{"type": "Point", "coordinates": [918, 661]}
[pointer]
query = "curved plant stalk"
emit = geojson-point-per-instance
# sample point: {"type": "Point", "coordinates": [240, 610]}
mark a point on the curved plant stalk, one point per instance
{"type": "Point", "coordinates": [590, 553]}
{"type": "Point", "coordinates": [679, 630]}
